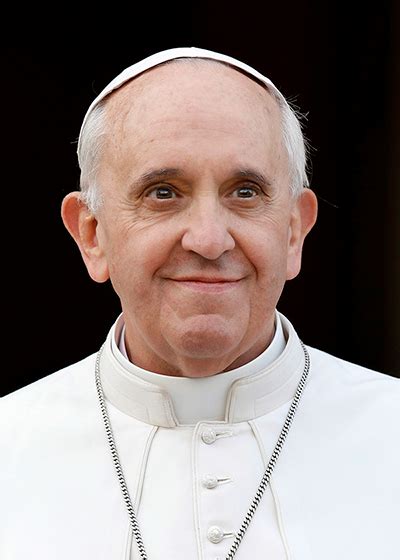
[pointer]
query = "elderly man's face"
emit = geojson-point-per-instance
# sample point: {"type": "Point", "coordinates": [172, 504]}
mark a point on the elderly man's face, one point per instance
{"type": "Point", "coordinates": [198, 231]}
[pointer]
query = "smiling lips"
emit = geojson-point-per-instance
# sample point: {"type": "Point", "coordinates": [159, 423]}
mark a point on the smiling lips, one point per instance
{"type": "Point", "coordinates": [207, 284]}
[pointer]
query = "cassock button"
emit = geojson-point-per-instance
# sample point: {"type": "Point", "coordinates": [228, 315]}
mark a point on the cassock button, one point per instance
{"type": "Point", "coordinates": [208, 436]}
{"type": "Point", "coordinates": [210, 481]}
{"type": "Point", "coordinates": [215, 534]}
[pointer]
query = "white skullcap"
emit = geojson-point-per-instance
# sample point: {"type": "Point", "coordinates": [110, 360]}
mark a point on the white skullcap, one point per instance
{"type": "Point", "coordinates": [171, 54]}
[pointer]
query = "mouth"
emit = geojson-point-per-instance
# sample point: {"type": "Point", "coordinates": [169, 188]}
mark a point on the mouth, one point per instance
{"type": "Point", "coordinates": [207, 284]}
{"type": "Point", "coordinates": [206, 279]}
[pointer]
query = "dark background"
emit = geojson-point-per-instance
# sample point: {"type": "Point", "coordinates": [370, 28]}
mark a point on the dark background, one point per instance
{"type": "Point", "coordinates": [338, 62]}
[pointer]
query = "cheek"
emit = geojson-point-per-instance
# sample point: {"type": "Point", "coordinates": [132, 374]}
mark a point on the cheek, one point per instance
{"type": "Point", "coordinates": [269, 255]}
{"type": "Point", "coordinates": [133, 265]}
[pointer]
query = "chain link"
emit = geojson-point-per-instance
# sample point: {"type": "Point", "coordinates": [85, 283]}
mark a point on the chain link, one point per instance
{"type": "Point", "coordinates": [260, 490]}
{"type": "Point", "coordinates": [117, 463]}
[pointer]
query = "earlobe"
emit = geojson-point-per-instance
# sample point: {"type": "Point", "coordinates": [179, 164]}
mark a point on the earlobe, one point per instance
{"type": "Point", "coordinates": [82, 225]}
{"type": "Point", "coordinates": [304, 215]}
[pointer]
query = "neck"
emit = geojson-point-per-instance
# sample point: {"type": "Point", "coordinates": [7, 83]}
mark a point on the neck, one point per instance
{"type": "Point", "coordinates": [204, 398]}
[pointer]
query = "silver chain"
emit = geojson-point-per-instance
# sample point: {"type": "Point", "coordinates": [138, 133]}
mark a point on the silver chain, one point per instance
{"type": "Point", "coordinates": [260, 490]}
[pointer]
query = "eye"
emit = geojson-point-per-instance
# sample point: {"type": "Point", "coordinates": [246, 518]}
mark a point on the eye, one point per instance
{"type": "Point", "coordinates": [246, 191]}
{"type": "Point", "coordinates": [161, 193]}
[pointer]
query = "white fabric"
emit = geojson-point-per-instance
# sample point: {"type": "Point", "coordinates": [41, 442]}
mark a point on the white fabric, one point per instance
{"type": "Point", "coordinates": [171, 54]}
{"type": "Point", "coordinates": [194, 400]}
{"type": "Point", "coordinates": [247, 397]}
{"type": "Point", "coordinates": [334, 492]}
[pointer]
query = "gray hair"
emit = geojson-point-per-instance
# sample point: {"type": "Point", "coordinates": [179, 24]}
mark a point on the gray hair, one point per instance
{"type": "Point", "coordinates": [94, 135]}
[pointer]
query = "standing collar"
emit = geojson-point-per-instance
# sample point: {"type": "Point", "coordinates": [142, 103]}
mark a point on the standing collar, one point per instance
{"type": "Point", "coordinates": [241, 394]}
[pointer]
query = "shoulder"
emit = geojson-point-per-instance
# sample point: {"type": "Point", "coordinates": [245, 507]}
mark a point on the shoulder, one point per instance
{"type": "Point", "coordinates": [51, 392]}
{"type": "Point", "coordinates": [354, 388]}
{"type": "Point", "coordinates": [54, 410]}
{"type": "Point", "coordinates": [349, 371]}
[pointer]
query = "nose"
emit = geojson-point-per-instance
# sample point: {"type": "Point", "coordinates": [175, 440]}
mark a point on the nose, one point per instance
{"type": "Point", "coordinates": [207, 231]}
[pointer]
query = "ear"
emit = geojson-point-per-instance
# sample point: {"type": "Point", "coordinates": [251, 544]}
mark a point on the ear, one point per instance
{"type": "Point", "coordinates": [82, 225]}
{"type": "Point", "coordinates": [303, 217]}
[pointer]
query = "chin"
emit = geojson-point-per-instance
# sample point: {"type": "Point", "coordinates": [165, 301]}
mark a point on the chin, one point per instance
{"type": "Point", "coordinates": [204, 346]}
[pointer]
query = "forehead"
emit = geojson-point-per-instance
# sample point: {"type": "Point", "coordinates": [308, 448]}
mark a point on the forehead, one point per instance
{"type": "Point", "coordinates": [196, 88]}
{"type": "Point", "coordinates": [202, 117]}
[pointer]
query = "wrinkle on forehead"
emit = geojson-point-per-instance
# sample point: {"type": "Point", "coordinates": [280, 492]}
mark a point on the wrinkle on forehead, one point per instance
{"type": "Point", "coordinates": [143, 92]}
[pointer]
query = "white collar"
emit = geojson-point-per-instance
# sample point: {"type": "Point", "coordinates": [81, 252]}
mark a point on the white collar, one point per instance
{"type": "Point", "coordinates": [202, 398]}
{"type": "Point", "coordinates": [237, 395]}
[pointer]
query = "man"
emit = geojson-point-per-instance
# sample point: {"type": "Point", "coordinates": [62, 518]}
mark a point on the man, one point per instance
{"type": "Point", "coordinates": [203, 428]}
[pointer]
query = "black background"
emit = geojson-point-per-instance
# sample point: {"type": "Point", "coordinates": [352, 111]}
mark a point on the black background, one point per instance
{"type": "Point", "coordinates": [338, 62]}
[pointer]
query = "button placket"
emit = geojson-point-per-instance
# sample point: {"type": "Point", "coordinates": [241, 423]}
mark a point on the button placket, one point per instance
{"type": "Point", "coordinates": [220, 506]}
{"type": "Point", "coordinates": [211, 456]}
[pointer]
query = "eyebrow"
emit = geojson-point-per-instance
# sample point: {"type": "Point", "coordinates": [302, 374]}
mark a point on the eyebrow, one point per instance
{"type": "Point", "coordinates": [253, 175]}
{"type": "Point", "coordinates": [159, 174]}
{"type": "Point", "coordinates": [165, 172]}
{"type": "Point", "coordinates": [154, 175]}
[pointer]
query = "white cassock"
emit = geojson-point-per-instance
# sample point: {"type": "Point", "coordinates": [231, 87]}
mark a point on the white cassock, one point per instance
{"type": "Point", "coordinates": [193, 452]}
